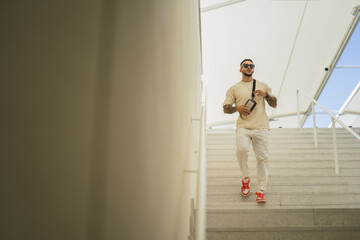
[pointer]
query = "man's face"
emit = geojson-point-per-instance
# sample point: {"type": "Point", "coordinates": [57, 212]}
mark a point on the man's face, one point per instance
{"type": "Point", "coordinates": [247, 71]}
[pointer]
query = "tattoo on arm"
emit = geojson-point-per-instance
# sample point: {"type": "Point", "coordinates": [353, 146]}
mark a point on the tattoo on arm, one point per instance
{"type": "Point", "coordinates": [272, 101]}
{"type": "Point", "coordinates": [229, 109]}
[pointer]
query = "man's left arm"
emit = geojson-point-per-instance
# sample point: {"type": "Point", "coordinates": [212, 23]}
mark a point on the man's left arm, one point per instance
{"type": "Point", "coordinates": [271, 99]}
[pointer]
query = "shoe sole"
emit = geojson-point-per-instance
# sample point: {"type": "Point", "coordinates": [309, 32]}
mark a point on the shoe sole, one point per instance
{"type": "Point", "coordinates": [245, 195]}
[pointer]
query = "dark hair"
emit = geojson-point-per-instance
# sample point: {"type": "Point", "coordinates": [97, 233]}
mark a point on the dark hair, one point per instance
{"type": "Point", "coordinates": [247, 59]}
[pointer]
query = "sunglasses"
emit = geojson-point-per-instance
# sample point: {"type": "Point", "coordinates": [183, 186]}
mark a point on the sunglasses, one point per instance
{"type": "Point", "coordinates": [248, 65]}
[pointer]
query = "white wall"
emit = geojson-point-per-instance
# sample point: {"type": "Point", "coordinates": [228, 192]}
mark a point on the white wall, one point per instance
{"type": "Point", "coordinates": [96, 103]}
{"type": "Point", "coordinates": [154, 94]}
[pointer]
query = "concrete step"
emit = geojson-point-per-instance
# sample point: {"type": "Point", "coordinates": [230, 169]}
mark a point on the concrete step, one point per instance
{"type": "Point", "coordinates": [211, 135]}
{"type": "Point", "coordinates": [284, 151]}
{"type": "Point", "coordinates": [278, 164]}
{"type": "Point", "coordinates": [285, 134]}
{"type": "Point", "coordinates": [288, 149]}
{"type": "Point", "coordinates": [305, 139]}
{"type": "Point", "coordinates": [289, 131]}
{"type": "Point", "coordinates": [280, 199]}
{"type": "Point", "coordinates": [305, 198]}
{"type": "Point", "coordinates": [288, 145]}
{"type": "Point", "coordinates": [289, 156]}
{"type": "Point", "coordinates": [308, 172]}
{"type": "Point", "coordinates": [278, 140]}
{"type": "Point", "coordinates": [279, 159]}
{"type": "Point", "coordinates": [290, 138]}
{"type": "Point", "coordinates": [282, 218]}
{"type": "Point", "coordinates": [215, 144]}
{"type": "Point", "coordinates": [289, 233]}
{"type": "Point", "coordinates": [283, 223]}
{"type": "Point", "coordinates": [288, 180]}
{"type": "Point", "coordinates": [295, 136]}
{"type": "Point", "coordinates": [354, 152]}
{"type": "Point", "coordinates": [284, 175]}
{"type": "Point", "coordinates": [339, 188]}
{"type": "Point", "coordinates": [283, 205]}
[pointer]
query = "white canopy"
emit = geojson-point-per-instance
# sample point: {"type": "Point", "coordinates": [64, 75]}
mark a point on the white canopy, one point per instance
{"type": "Point", "coordinates": [292, 43]}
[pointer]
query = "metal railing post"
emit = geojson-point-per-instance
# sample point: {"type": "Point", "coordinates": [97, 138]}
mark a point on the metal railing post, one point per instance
{"type": "Point", "coordinates": [314, 123]}
{"type": "Point", "coordinates": [336, 158]}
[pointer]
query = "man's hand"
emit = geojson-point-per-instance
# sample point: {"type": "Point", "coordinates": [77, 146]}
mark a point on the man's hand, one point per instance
{"type": "Point", "coordinates": [271, 100]}
{"type": "Point", "coordinates": [260, 92]}
{"type": "Point", "coordinates": [243, 109]}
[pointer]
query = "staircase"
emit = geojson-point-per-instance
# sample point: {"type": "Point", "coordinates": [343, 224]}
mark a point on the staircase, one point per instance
{"type": "Point", "coordinates": [305, 198]}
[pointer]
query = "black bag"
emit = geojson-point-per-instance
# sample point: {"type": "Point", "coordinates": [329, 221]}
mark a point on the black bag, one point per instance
{"type": "Point", "coordinates": [250, 102]}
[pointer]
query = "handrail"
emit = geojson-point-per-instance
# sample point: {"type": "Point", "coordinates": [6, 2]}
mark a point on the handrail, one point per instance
{"type": "Point", "coordinates": [333, 119]}
{"type": "Point", "coordinates": [200, 225]}
{"type": "Point", "coordinates": [200, 216]}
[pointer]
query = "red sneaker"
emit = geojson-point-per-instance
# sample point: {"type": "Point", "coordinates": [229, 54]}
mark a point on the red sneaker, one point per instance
{"type": "Point", "coordinates": [245, 188]}
{"type": "Point", "coordinates": [260, 197]}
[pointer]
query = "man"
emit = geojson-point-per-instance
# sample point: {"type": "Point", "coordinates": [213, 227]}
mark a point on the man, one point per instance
{"type": "Point", "coordinates": [252, 126]}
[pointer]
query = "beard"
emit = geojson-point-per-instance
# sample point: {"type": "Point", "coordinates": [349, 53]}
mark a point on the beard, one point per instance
{"type": "Point", "coordinates": [246, 74]}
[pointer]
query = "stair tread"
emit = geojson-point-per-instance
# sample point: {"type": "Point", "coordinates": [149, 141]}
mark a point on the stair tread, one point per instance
{"type": "Point", "coordinates": [302, 206]}
{"type": "Point", "coordinates": [283, 229]}
{"type": "Point", "coordinates": [302, 181]}
{"type": "Point", "coordinates": [286, 193]}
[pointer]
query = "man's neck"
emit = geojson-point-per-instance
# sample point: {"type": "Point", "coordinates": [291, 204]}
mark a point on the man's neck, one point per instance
{"type": "Point", "coordinates": [246, 79]}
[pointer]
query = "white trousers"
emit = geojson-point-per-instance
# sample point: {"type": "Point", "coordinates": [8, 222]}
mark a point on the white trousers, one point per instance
{"type": "Point", "coordinates": [259, 139]}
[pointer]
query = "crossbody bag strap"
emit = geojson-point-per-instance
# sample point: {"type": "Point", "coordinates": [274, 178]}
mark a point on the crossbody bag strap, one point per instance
{"type": "Point", "coordinates": [253, 89]}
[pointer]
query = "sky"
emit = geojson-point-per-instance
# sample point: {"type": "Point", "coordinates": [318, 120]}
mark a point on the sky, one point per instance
{"type": "Point", "coordinates": [341, 82]}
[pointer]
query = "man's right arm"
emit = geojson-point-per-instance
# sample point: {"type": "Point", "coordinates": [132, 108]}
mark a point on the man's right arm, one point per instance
{"type": "Point", "coordinates": [229, 109]}
{"type": "Point", "coordinates": [243, 109]}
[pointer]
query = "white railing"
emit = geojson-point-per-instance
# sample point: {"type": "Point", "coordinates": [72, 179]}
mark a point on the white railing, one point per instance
{"type": "Point", "coordinates": [333, 119]}
{"type": "Point", "coordinates": [201, 186]}
{"type": "Point", "coordinates": [200, 216]}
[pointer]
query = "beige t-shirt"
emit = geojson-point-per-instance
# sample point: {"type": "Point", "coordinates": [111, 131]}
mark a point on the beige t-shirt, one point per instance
{"type": "Point", "coordinates": [239, 94]}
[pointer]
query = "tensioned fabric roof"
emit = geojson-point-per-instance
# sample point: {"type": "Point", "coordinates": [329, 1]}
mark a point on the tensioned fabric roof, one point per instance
{"type": "Point", "coordinates": [294, 44]}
